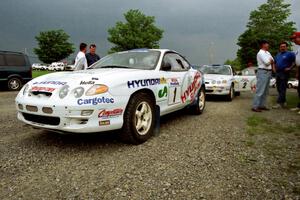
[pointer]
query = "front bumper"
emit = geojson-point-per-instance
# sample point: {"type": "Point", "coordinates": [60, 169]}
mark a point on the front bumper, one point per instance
{"type": "Point", "coordinates": [69, 116]}
{"type": "Point", "coordinates": [217, 89]}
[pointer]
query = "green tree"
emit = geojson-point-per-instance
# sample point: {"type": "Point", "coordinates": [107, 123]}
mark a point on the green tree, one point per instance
{"type": "Point", "coordinates": [234, 63]}
{"type": "Point", "coordinates": [139, 31]}
{"type": "Point", "coordinates": [53, 46]}
{"type": "Point", "coordinates": [269, 22]}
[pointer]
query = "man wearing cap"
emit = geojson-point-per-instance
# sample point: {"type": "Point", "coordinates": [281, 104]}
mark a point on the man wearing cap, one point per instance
{"type": "Point", "coordinates": [284, 62]}
{"type": "Point", "coordinates": [265, 64]}
{"type": "Point", "coordinates": [296, 39]}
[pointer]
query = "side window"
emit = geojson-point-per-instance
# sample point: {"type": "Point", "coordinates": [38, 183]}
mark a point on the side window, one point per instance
{"type": "Point", "coordinates": [177, 62]}
{"type": "Point", "coordinates": [2, 62]}
{"type": "Point", "coordinates": [15, 60]}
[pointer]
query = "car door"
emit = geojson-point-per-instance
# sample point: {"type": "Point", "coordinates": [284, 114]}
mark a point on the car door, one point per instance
{"type": "Point", "coordinates": [177, 81]}
{"type": "Point", "coordinates": [246, 81]}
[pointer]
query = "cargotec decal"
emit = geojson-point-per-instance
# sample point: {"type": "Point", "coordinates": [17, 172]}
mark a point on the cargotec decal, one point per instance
{"type": "Point", "coordinates": [95, 101]}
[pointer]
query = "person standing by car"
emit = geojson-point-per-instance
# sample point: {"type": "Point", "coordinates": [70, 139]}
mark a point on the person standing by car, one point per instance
{"type": "Point", "coordinates": [265, 64]}
{"type": "Point", "coordinates": [92, 57]}
{"type": "Point", "coordinates": [296, 39]}
{"type": "Point", "coordinates": [80, 60]}
{"type": "Point", "coordinates": [284, 62]}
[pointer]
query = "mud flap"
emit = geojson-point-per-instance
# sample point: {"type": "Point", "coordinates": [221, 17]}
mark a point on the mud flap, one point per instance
{"type": "Point", "coordinates": [157, 121]}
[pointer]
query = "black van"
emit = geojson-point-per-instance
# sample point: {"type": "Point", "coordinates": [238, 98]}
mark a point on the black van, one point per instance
{"type": "Point", "coordinates": [15, 69]}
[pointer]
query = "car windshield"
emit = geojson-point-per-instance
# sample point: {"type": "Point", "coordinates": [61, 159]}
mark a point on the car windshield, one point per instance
{"type": "Point", "coordinates": [223, 70]}
{"type": "Point", "coordinates": [140, 59]}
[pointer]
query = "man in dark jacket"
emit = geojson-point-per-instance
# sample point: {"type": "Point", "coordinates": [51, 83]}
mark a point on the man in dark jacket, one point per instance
{"type": "Point", "coordinates": [92, 57]}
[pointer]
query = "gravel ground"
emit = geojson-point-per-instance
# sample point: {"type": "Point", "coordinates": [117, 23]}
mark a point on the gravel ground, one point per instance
{"type": "Point", "coordinates": [194, 157]}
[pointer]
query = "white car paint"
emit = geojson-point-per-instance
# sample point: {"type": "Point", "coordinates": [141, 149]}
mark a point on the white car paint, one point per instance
{"type": "Point", "coordinates": [173, 91]}
{"type": "Point", "coordinates": [293, 83]}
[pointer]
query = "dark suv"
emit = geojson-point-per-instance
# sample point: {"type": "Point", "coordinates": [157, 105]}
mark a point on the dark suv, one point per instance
{"type": "Point", "coordinates": [15, 69]}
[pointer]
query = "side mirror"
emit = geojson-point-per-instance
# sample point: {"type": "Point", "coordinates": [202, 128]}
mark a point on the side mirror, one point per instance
{"type": "Point", "coordinates": [166, 66]}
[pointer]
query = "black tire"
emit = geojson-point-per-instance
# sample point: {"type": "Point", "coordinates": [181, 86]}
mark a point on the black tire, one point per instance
{"type": "Point", "coordinates": [198, 108]}
{"type": "Point", "coordinates": [230, 96]}
{"type": "Point", "coordinates": [14, 84]}
{"type": "Point", "coordinates": [290, 85]}
{"type": "Point", "coordinates": [237, 94]}
{"type": "Point", "coordinates": [130, 133]}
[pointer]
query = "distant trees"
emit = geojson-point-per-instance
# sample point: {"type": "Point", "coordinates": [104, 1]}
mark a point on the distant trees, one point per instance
{"type": "Point", "coordinates": [139, 31]}
{"type": "Point", "coordinates": [53, 46]}
{"type": "Point", "coordinates": [270, 22]}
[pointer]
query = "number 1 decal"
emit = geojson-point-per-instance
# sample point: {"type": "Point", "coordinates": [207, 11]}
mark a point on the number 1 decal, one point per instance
{"type": "Point", "coordinates": [174, 95]}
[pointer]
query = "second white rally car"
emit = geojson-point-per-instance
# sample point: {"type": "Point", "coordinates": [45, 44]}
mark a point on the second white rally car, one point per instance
{"type": "Point", "coordinates": [222, 80]}
{"type": "Point", "coordinates": [127, 90]}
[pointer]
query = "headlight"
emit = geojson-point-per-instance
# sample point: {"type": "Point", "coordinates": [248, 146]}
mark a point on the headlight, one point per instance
{"type": "Point", "coordinates": [96, 89]}
{"type": "Point", "coordinates": [78, 92]}
{"type": "Point", "coordinates": [63, 92]}
{"type": "Point", "coordinates": [224, 81]}
{"type": "Point", "coordinates": [26, 89]}
{"type": "Point", "coordinates": [213, 82]}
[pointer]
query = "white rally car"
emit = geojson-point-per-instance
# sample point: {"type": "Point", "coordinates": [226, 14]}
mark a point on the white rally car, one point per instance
{"type": "Point", "coordinates": [123, 90]}
{"type": "Point", "coordinates": [221, 80]}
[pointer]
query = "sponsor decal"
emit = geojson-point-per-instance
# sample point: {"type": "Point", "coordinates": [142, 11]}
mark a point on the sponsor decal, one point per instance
{"type": "Point", "coordinates": [245, 80]}
{"type": "Point", "coordinates": [87, 82]}
{"type": "Point", "coordinates": [163, 80]}
{"type": "Point", "coordinates": [143, 83]}
{"type": "Point", "coordinates": [95, 101]}
{"type": "Point", "coordinates": [42, 89]}
{"type": "Point", "coordinates": [163, 92]}
{"type": "Point", "coordinates": [104, 123]}
{"type": "Point", "coordinates": [174, 82]}
{"type": "Point", "coordinates": [95, 79]}
{"type": "Point", "coordinates": [50, 83]}
{"type": "Point", "coordinates": [192, 89]}
{"type": "Point", "coordinates": [110, 113]}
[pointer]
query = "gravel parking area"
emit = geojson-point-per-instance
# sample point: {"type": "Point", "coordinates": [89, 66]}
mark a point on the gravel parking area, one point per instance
{"type": "Point", "coordinates": [211, 156]}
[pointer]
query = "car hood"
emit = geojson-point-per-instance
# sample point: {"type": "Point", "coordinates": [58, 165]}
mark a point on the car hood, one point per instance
{"type": "Point", "coordinates": [208, 77]}
{"type": "Point", "coordinates": [85, 77]}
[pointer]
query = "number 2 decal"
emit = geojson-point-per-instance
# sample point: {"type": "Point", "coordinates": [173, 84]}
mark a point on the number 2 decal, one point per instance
{"type": "Point", "coordinates": [244, 85]}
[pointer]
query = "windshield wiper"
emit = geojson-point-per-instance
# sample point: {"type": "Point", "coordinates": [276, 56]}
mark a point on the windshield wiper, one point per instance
{"type": "Point", "coordinates": [113, 66]}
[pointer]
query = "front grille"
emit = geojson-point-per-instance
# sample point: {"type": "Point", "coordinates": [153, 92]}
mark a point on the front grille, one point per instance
{"type": "Point", "coordinates": [54, 121]}
{"type": "Point", "coordinates": [47, 94]}
{"type": "Point", "coordinates": [209, 90]}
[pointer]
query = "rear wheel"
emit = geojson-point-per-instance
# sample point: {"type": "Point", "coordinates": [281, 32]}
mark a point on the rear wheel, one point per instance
{"type": "Point", "coordinates": [290, 85]}
{"type": "Point", "coordinates": [198, 108]}
{"type": "Point", "coordinates": [14, 84]}
{"type": "Point", "coordinates": [138, 119]}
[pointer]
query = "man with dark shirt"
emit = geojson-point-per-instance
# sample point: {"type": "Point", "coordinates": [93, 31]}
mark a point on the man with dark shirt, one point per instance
{"type": "Point", "coordinates": [284, 61]}
{"type": "Point", "coordinates": [92, 57]}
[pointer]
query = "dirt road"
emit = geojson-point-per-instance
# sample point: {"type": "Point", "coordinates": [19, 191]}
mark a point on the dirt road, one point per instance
{"type": "Point", "coordinates": [212, 156]}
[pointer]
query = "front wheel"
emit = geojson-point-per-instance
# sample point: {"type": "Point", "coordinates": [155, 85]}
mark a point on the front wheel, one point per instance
{"type": "Point", "coordinates": [230, 96]}
{"type": "Point", "coordinates": [198, 108]}
{"type": "Point", "coordinates": [290, 85]}
{"type": "Point", "coordinates": [139, 119]}
{"type": "Point", "coordinates": [14, 84]}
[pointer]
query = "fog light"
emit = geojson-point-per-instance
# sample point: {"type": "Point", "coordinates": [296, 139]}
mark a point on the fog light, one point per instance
{"type": "Point", "coordinates": [86, 112]}
{"type": "Point", "coordinates": [20, 106]}
{"type": "Point", "coordinates": [31, 108]}
{"type": "Point", "coordinates": [47, 110]}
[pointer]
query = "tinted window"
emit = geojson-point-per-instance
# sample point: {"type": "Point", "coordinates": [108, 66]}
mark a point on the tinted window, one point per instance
{"type": "Point", "coordinates": [15, 60]}
{"type": "Point", "coordinates": [2, 63]}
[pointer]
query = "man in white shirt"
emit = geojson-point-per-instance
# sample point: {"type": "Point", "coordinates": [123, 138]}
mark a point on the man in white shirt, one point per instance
{"type": "Point", "coordinates": [296, 39]}
{"type": "Point", "coordinates": [80, 60]}
{"type": "Point", "coordinates": [265, 64]}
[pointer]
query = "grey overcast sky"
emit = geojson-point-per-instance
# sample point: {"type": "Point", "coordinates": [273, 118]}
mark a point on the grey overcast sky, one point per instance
{"type": "Point", "coordinates": [191, 26]}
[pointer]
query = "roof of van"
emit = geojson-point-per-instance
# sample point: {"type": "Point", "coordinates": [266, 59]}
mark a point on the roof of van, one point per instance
{"type": "Point", "coordinates": [14, 52]}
